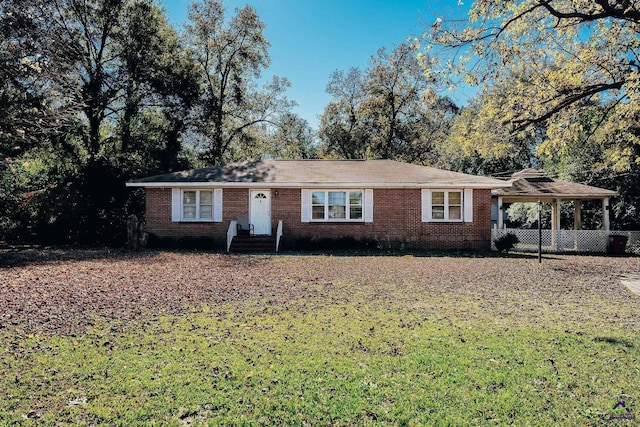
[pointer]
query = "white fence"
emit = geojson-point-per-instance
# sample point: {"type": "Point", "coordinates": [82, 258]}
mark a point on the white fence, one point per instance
{"type": "Point", "coordinates": [595, 241]}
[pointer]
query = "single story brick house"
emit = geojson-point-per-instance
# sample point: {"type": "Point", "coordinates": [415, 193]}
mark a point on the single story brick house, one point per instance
{"type": "Point", "coordinates": [395, 203]}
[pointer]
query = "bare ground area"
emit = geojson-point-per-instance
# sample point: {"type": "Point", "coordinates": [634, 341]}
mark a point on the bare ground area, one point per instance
{"type": "Point", "coordinates": [64, 291]}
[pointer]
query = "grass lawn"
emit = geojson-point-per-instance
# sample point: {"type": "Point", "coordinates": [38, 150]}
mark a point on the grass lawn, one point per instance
{"type": "Point", "coordinates": [170, 338]}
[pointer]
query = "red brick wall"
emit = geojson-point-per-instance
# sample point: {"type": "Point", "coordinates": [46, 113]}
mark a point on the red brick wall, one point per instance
{"type": "Point", "coordinates": [158, 217]}
{"type": "Point", "coordinates": [396, 220]}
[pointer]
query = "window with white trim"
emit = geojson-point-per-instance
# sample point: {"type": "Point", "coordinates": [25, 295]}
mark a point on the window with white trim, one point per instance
{"type": "Point", "coordinates": [445, 205]}
{"type": "Point", "coordinates": [197, 205]}
{"type": "Point", "coordinates": [331, 205]}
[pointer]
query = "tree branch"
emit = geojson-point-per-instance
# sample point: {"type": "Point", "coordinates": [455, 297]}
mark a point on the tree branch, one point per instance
{"type": "Point", "coordinates": [622, 10]}
{"type": "Point", "coordinates": [569, 100]}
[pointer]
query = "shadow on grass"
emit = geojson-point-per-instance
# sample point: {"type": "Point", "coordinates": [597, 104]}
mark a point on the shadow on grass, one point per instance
{"type": "Point", "coordinates": [614, 341]}
{"type": "Point", "coordinates": [22, 256]}
{"type": "Point", "coordinates": [418, 253]}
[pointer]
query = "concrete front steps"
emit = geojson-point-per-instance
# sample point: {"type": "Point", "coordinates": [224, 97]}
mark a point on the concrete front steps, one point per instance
{"type": "Point", "coordinates": [253, 244]}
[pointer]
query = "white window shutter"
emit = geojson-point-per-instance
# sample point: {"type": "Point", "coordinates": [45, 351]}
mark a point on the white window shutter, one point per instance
{"type": "Point", "coordinates": [468, 205]}
{"type": "Point", "coordinates": [305, 214]}
{"type": "Point", "coordinates": [426, 205]}
{"type": "Point", "coordinates": [217, 204]}
{"type": "Point", "coordinates": [176, 205]}
{"type": "Point", "coordinates": [368, 205]}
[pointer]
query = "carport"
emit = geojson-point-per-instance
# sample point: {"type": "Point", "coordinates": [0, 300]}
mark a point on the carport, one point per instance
{"type": "Point", "coordinates": [532, 185]}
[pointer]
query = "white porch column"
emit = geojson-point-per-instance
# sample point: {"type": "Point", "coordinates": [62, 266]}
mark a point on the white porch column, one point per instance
{"type": "Point", "coordinates": [500, 214]}
{"type": "Point", "coordinates": [555, 221]}
{"type": "Point", "coordinates": [605, 214]}
{"type": "Point", "coordinates": [577, 222]}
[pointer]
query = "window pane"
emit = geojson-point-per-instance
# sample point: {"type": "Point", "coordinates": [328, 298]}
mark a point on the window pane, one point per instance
{"type": "Point", "coordinates": [337, 211]}
{"type": "Point", "coordinates": [317, 198]}
{"type": "Point", "coordinates": [455, 212]}
{"type": "Point", "coordinates": [189, 198]}
{"type": "Point", "coordinates": [317, 212]}
{"type": "Point", "coordinates": [206, 212]}
{"type": "Point", "coordinates": [189, 212]}
{"type": "Point", "coordinates": [437, 212]}
{"type": "Point", "coordinates": [437, 198]}
{"type": "Point", "coordinates": [337, 204]}
{"type": "Point", "coordinates": [337, 198]}
{"type": "Point", "coordinates": [355, 198]}
{"type": "Point", "coordinates": [455, 198]}
{"type": "Point", "coordinates": [355, 212]}
{"type": "Point", "coordinates": [206, 198]}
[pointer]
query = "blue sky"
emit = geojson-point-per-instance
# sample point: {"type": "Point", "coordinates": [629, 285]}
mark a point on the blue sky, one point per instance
{"type": "Point", "coordinates": [311, 38]}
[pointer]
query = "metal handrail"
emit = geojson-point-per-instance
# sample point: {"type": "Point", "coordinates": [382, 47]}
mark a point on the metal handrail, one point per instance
{"type": "Point", "coordinates": [231, 233]}
{"type": "Point", "coordinates": [278, 235]}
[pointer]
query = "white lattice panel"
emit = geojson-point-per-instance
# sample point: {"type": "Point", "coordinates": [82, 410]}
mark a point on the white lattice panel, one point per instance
{"type": "Point", "coordinates": [595, 241]}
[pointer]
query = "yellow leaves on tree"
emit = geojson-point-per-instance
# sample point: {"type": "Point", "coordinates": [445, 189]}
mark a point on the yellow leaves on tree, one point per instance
{"type": "Point", "coordinates": [570, 68]}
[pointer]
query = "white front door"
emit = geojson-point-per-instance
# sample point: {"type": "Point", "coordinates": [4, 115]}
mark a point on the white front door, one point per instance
{"type": "Point", "coordinates": [260, 211]}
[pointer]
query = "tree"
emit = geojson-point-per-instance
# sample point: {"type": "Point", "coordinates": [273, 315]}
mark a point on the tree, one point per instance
{"type": "Point", "coordinates": [90, 30]}
{"type": "Point", "coordinates": [105, 90]}
{"type": "Point", "coordinates": [293, 139]}
{"type": "Point", "coordinates": [386, 112]}
{"type": "Point", "coordinates": [343, 127]}
{"type": "Point", "coordinates": [31, 62]}
{"type": "Point", "coordinates": [432, 124]}
{"type": "Point", "coordinates": [231, 56]}
{"type": "Point", "coordinates": [101, 63]}
{"type": "Point", "coordinates": [573, 53]}
{"type": "Point", "coordinates": [479, 143]}
{"type": "Point", "coordinates": [30, 113]}
{"type": "Point", "coordinates": [396, 83]}
{"type": "Point", "coordinates": [159, 87]}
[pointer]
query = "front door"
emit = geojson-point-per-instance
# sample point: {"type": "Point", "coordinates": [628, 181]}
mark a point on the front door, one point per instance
{"type": "Point", "coordinates": [260, 211]}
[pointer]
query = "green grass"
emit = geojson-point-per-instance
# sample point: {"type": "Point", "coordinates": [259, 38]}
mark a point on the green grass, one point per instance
{"type": "Point", "coordinates": [335, 359]}
{"type": "Point", "coordinates": [342, 364]}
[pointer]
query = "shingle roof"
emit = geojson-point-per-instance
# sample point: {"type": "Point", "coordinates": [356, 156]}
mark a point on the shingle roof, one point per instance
{"type": "Point", "coordinates": [319, 172]}
{"type": "Point", "coordinates": [534, 183]}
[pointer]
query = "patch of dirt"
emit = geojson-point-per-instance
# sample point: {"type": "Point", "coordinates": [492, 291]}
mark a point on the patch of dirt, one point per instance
{"type": "Point", "coordinates": [59, 291]}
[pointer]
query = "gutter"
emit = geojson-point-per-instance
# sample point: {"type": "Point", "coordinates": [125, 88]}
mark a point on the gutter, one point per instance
{"type": "Point", "coordinates": [209, 184]}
